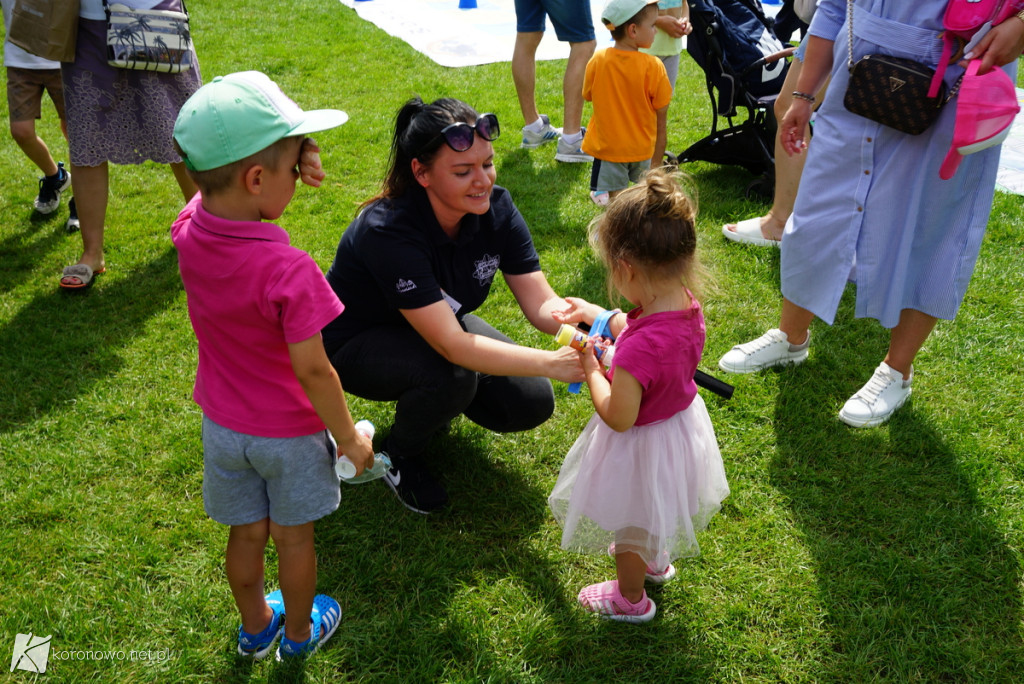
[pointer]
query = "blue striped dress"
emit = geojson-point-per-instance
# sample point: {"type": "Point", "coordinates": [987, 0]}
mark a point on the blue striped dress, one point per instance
{"type": "Point", "coordinates": [871, 195]}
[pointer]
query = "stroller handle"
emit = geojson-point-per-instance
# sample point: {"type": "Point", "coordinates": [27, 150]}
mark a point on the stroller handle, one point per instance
{"type": "Point", "coordinates": [769, 59]}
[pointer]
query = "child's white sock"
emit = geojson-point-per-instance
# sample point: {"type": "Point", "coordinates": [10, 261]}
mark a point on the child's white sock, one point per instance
{"type": "Point", "coordinates": [572, 138]}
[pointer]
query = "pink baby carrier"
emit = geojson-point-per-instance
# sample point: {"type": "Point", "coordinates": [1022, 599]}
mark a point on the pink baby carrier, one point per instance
{"type": "Point", "coordinates": [962, 20]}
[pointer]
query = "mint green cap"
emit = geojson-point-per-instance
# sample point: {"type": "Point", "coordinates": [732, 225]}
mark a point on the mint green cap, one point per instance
{"type": "Point", "coordinates": [618, 12]}
{"type": "Point", "coordinates": [240, 114]}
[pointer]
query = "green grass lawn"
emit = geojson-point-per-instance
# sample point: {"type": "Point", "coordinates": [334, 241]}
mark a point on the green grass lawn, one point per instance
{"type": "Point", "coordinates": [890, 554]}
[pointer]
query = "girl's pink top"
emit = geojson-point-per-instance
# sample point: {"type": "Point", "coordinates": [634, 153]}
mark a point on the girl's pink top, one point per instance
{"type": "Point", "coordinates": [661, 351]}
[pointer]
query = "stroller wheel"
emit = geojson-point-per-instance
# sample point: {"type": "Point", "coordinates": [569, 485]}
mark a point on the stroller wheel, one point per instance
{"type": "Point", "coordinates": [761, 188]}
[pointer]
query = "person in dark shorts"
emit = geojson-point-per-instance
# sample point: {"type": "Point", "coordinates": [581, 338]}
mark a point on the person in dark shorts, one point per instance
{"type": "Point", "coordinates": [28, 77]}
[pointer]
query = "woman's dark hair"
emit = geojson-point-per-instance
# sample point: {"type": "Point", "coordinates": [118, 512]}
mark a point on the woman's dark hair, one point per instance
{"type": "Point", "coordinates": [418, 128]}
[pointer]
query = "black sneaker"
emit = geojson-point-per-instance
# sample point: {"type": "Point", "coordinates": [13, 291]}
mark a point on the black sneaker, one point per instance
{"type": "Point", "coordinates": [415, 487]}
{"type": "Point", "coordinates": [50, 188]}
{"type": "Point", "coordinates": [72, 225]}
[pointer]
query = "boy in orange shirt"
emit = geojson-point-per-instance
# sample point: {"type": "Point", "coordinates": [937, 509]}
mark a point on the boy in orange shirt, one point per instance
{"type": "Point", "coordinates": [631, 92]}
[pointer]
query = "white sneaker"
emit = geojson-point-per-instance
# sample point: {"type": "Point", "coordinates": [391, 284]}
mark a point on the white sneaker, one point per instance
{"type": "Point", "coordinates": [572, 152]}
{"type": "Point", "coordinates": [875, 402]}
{"type": "Point", "coordinates": [548, 133]}
{"type": "Point", "coordinates": [771, 349]}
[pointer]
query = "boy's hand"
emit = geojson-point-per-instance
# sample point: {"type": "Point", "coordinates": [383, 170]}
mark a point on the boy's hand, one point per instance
{"type": "Point", "coordinates": [358, 449]}
{"type": "Point", "coordinates": [310, 169]}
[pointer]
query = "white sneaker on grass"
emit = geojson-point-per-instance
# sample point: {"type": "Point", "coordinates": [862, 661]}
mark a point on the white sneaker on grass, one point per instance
{"type": "Point", "coordinates": [533, 138]}
{"type": "Point", "coordinates": [771, 349]}
{"type": "Point", "coordinates": [876, 401]}
{"type": "Point", "coordinates": [572, 151]}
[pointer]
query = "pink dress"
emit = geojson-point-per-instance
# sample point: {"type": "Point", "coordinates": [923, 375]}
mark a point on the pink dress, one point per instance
{"type": "Point", "coordinates": [651, 488]}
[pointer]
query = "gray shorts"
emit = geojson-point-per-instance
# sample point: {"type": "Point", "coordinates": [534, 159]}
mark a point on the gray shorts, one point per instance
{"type": "Point", "coordinates": [246, 479]}
{"type": "Point", "coordinates": [609, 176]}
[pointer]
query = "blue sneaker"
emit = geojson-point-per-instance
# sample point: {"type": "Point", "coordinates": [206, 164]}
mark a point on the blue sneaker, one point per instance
{"type": "Point", "coordinates": [326, 616]}
{"type": "Point", "coordinates": [258, 645]}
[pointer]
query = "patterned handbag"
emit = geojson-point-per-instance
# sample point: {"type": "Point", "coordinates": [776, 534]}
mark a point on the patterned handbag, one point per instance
{"type": "Point", "coordinates": [148, 40]}
{"type": "Point", "coordinates": [892, 91]}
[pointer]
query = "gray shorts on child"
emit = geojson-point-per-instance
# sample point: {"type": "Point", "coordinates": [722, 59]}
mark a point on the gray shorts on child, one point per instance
{"type": "Point", "coordinates": [246, 479]}
{"type": "Point", "coordinates": [606, 176]}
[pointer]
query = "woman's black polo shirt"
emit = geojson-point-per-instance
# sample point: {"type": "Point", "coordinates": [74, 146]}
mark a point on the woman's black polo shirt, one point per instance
{"type": "Point", "coordinates": [395, 255]}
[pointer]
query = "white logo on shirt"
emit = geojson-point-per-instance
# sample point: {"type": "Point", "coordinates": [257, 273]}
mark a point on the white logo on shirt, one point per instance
{"type": "Point", "coordinates": [404, 285]}
{"type": "Point", "coordinates": [486, 268]}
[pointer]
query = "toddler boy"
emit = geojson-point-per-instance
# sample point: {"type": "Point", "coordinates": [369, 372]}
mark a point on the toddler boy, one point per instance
{"type": "Point", "coordinates": [264, 382]}
{"type": "Point", "coordinates": [631, 93]}
{"type": "Point", "coordinates": [28, 77]}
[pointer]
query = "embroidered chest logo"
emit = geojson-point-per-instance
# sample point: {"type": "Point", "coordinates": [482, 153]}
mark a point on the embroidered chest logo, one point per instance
{"type": "Point", "coordinates": [485, 268]}
{"type": "Point", "coordinates": [896, 83]}
{"type": "Point", "coordinates": [404, 285]}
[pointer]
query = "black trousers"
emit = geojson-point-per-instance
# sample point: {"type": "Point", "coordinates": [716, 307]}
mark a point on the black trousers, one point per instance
{"type": "Point", "coordinates": [394, 363]}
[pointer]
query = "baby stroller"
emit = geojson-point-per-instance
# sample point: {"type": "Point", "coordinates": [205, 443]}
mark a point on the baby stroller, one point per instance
{"type": "Point", "coordinates": [744, 66]}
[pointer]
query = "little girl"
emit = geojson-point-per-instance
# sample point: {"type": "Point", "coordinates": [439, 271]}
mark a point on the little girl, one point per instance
{"type": "Point", "coordinates": [646, 474]}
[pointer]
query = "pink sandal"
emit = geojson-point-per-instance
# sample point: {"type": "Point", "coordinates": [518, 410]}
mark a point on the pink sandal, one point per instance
{"type": "Point", "coordinates": [606, 600]}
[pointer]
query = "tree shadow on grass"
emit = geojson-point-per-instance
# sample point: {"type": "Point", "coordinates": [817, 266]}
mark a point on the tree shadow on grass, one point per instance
{"type": "Point", "coordinates": [915, 579]}
{"type": "Point", "coordinates": [62, 343]}
{"type": "Point", "coordinates": [19, 251]}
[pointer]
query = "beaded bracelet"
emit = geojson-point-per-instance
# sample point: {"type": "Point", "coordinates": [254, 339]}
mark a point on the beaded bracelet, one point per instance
{"type": "Point", "coordinates": [806, 97]}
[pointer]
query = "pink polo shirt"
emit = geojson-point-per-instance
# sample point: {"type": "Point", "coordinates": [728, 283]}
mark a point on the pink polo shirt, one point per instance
{"type": "Point", "coordinates": [662, 351]}
{"type": "Point", "coordinates": [250, 294]}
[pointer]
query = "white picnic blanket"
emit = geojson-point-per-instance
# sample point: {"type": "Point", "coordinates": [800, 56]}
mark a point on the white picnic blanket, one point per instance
{"type": "Point", "coordinates": [455, 37]}
{"type": "Point", "coordinates": [1011, 162]}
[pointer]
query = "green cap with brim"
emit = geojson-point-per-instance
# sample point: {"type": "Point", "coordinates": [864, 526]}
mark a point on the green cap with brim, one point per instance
{"type": "Point", "coordinates": [240, 114]}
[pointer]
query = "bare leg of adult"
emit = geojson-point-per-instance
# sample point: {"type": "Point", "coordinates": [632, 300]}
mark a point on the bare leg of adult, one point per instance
{"type": "Point", "coordinates": [907, 338]}
{"type": "Point", "coordinates": [795, 321]}
{"type": "Point", "coordinates": [91, 185]}
{"type": "Point", "coordinates": [188, 188]}
{"type": "Point", "coordinates": [572, 85]}
{"type": "Point", "coordinates": [788, 169]}
{"type": "Point", "coordinates": [524, 73]}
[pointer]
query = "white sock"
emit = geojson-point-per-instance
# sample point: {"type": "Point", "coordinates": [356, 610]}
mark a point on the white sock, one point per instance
{"type": "Point", "coordinates": [537, 126]}
{"type": "Point", "coordinates": [572, 138]}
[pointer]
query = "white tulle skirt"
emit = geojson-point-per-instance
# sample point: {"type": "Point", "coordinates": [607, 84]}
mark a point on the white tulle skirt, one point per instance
{"type": "Point", "coordinates": [649, 489]}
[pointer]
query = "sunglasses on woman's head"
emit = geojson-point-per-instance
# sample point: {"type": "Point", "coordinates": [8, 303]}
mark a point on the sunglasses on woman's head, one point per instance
{"type": "Point", "coordinates": [459, 135]}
